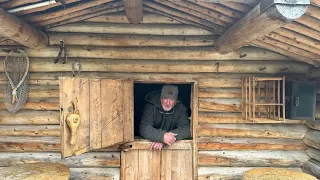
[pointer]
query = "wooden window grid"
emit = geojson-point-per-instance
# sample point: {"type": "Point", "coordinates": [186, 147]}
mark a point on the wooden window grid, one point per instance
{"type": "Point", "coordinates": [263, 98]}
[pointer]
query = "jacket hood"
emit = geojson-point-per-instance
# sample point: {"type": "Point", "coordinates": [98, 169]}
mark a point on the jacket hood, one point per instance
{"type": "Point", "coordinates": [154, 98]}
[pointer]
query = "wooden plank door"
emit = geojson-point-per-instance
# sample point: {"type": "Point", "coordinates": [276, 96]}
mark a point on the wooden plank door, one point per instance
{"type": "Point", "coordinates": [106, 113]}
{"type": "Point", "coordinates": [138, 162]}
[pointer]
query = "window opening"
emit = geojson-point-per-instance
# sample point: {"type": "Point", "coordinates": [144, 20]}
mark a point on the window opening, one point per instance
{"type": "Point", "coordinates": [142, 89]}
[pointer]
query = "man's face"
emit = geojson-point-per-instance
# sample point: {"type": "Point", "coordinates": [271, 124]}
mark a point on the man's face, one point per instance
{"type": "Point", "coordinates": [167, 104]}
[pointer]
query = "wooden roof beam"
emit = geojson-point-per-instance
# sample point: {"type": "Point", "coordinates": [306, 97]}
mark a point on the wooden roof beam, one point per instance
{"type": "Point", "coordinates": [20, 31]}
{"type": "Point", "coordinates": [261, 20]}
{"type": "Point", "coordinates": [134, 10]}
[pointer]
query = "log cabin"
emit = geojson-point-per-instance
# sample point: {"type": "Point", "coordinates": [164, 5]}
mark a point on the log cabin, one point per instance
{"type": "Point", "coordinates": [123, 49]}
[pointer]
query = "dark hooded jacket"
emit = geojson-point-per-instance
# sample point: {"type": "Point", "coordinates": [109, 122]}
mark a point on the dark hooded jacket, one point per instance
{"type": "Point", "coordinates": [155, 121]}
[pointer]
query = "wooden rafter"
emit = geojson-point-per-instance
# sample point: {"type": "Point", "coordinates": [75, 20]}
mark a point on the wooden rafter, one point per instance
{"type": "Point", "coordinates": [134, 10]}
{"type": "Point", "coordinates": [20, 31]}
{"type": "Point", "coordinates": [262, 19]}
{"type": "Point", "coordinates": [80, 13]}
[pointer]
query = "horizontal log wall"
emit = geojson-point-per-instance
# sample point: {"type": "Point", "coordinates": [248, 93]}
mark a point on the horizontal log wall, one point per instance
{"type": "Point", "coordinates": [312, 140]}
{"type": "Point", "coordinates": [171, 52]}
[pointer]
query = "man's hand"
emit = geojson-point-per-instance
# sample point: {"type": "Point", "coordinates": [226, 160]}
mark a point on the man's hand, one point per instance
{"type": "Point", "coordinates": [156, 145]}
{"type": "Point", "coordinates": [169, 138]}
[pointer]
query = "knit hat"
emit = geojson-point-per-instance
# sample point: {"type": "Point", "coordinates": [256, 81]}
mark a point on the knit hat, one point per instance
{"type": "Point", "coordinates": [170, 92]}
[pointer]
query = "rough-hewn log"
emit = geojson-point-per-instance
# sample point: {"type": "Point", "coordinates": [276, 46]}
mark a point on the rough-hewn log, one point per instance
{"type": "Point", "coordinates": [38, 144]}
{"type": "Point", "coordinates": [129, 40]}
{"type": "Point", "coordinates": [120, 17]}
{"type": "Point", "coordinates": [220, 93]}
{"type": "Point", "coordinates": [285, 131]}
{"type": "Point", "coordinates": [313, 125]}
{"type": "Point", "coordinates": [218, 143]}
{"type": "Point", "coordinates": [227, 173]}
{"type": "Point", "coordinates": [313, 11]}
{"type": "Point", "coordinates": [312, 167]}
{"type": "Point", "coordinates": [15, 3]}
{"type": "Point", "coordinates": [179, 18]}
{"type": "Point", "coordinates": [39, 93]}
{"type": "Point", "coordinates": [289, 47]}
{"type": "Point", "coordinates": [309, 21]}
{"type": "Point", "coordinates": [253, 158]}
{"type": "Point", "coordinates": [134, 10]}
{"type": "Point", "coordinates": [298, 37]}
{"type": "Point", "coordinates": [150, 29]}
{"type": "Point", "coordinates": [239, 6]}
{"type": "Point", "coordinates": [213, 27]}
{"type": "Point", "coordinates": [140, 66]}
{"type": "Point", "coordinates": [312, 138]}
{"type": "Point", "coordinates": [219, 8]}
{"type": "Point", "coordinates": [264, 18]}
{"type": "Point", "coordinates": [285, 52]}
{"type": "Point", "coordinates": [313, 153]}
{"type": "Point", "coordinates": [79, 13]}
{"type": "Point", "coordinates": [288, 41]}
{"type": "Point", "coordinates": [29, 144]}
{"type": "Point", "coordinates": [299, 28]}
{"type": "Point", "coordinates": [205, 11]}
{"type": "Point", "coordinates": [177, 5]}
{"type": "Point", "coordinates": [169, 53]}
{"type": "Point", "coordinates": [21, 31]}
{"type": "Point", "coordinates": [95, 173]}
{"type": "Point", "coordinates": [30, 130]}
{"type": "Point", "coordinates": [38, 106]}
{"type": "Point", "coordinates": [86, 16]}
{"type": "Point", "coordinates": [43, 8]}
{"type": "Point", "coordinates": [231, 118]}
{"type": "Point", "coordinates": [29, 117]}
{"type": "Point", "coordinates": [64, 12]}
{"type": "Point", "coordinates": [92, 159]}
{"type": "Point", "coordinates": [218, 107]}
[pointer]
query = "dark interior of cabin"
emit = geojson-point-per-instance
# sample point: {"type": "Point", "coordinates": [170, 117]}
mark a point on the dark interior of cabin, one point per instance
{"type": "Point", "coordinates": [142, 89]}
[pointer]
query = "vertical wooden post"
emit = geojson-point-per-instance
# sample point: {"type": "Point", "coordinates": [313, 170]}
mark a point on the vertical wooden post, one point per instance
{"type": "Point", "coordinates": [246, 98]}
{"type": "Point", "coordinates": [274, 99]}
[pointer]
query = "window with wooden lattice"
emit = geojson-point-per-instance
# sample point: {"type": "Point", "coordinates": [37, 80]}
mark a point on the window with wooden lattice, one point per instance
{"type": "Point", "coordinates": [263, 98]}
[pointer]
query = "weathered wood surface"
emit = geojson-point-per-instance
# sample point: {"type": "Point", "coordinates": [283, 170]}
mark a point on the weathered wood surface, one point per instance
{"type": "Point", "coordinates": [313, 125]}
{"type": "Point", "coordinates": [37, 106]}
{"type": "Point", "coordinates": [158, 66]}
{"type": "Point", "coordinates": [312, 138]}
{"type": "Point", "coordinates": [129, 40]}
{"type": "Point", "coordinates": [30, 130]}
{"type": "Point", "coordinates": [39, 93]}
{"type": "Point", "coordinates": [21, 31]}
{"type": "Point", "coordinates": [253, 158]}
{"type": "Point", "coordinates": [145, 145]}
{"type": "Point", "coordinates": [313, 153]}
{"type": "Point", "coordinates": [255, 24]}
{"type": "Point", "coordinates": [285, 131]}
{"type": "Point", "coordinates": [116, 28]}
{"type": "Point", "coordinates": [164, 53]}
{"type": "Point", "coordinates": [222, 143]}
{"type": "Point", "coordinates": [40, 171]}
{"type": "Point", "coordinates": [120, 17]}
{"type": "Point", "coordinates": [29, 144]}
{"type": "Point", "coordinates": [92, 159]}
{"type": "Point", "coordinates": [29, 117]}
{"type": "Point", "coordinates": [95, 173]}
{"type": "Point", "coordinates": [226, 173]}
{"type": "Point", "coordinates": [134, 10]}
{"type": "Point", "coordinates": [231, 118]}
{"type": "Point", "coordinates": [276, 174]}
{"type": "Point", "coordinates": [312, 167]}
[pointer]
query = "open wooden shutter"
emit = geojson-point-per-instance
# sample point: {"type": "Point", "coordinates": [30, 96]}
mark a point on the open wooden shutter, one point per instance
{"type": "Point", "coordinates": [106, 113]}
